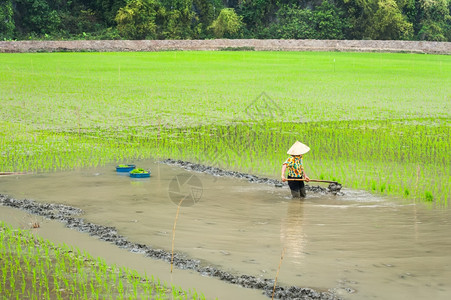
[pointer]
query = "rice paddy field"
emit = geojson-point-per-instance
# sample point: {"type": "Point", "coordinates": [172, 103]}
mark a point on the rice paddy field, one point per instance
{"type": "Point", "coordinates": [374, 121]}
{"type": "Point", "coordinates": [34, 268]}
{"type": "Point", "coordinates": [377, 122]}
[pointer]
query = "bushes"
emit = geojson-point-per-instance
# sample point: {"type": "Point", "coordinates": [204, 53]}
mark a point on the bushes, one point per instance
{"type": "Point", "coordinates": [7, 25]}
{"type": "Point", "coordinates": [324, 22]}
{"type": "Point", "coordinates": [436, 21]}
{"type": "Point", "coordinates": [228, 24]}
{"type": "Point", "coordinates": [137, 19]}
{"type": "Point", "coordinates": [294, 23]}
{"type": "Point", "coordinates": [200, 19]}
{"type": "Point", "coordinates": [330, 22]}
{"type": "Point", "coordinates": [388, 23]}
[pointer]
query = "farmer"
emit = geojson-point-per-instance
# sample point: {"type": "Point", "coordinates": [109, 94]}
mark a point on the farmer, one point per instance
{"type": "Point", "coordinates": [296, 169]}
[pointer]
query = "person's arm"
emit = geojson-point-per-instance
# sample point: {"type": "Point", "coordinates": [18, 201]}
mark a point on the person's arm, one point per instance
{"type": "Point", "coordinates": [284, 167]}
{"type": "Point", "coordinates": [303, 172]}
{"type": "Point", "coordinates": [305, 175]}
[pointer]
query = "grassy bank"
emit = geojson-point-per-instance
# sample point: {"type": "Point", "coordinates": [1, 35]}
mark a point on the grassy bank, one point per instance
{"type": "Point", "coordinates": [374, 121]}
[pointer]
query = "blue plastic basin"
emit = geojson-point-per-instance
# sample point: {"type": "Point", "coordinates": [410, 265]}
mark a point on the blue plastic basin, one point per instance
{"type": "Point", "coordinates": [140, 175]}
{"type": "Point", "coordinates": [125, 169]}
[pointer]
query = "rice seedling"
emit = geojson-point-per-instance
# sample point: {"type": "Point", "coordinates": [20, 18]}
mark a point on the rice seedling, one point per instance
{"type": "Point", "coordinates": [365, 154]}
{"type": "Point", "coordinates": [363, 114]}
{"type": "Point", "coordinates": [33, 268]}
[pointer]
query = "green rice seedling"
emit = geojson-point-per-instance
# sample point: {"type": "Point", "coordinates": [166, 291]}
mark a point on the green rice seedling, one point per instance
{"type": "Point", "coordinates": [398, 165]}
{"type": "Point", "coordinates": [428, 196]}
{"type": "Point", "coordinates": [406, 193]}
{"type": "Point", "coordinates": [54, 281]}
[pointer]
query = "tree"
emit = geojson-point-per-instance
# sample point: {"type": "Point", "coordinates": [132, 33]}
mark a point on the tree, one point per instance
{"type": "Point", "coordinates": [228, 24]}
{"type": "Point", "coordinates": [189, 19]}
{"type": "Point", "coordinates": [294, 23]}
{"type": "Point", "coordinates": [436, 22]}
{"type": "Point", "coordinates": [388, 23]}
{"type": "Point", "coordinates": [358, 13]}
{"type": "Point", "coordinates": [107, 9]}
{"type": "Point", "coordinates": [258, 15]}
{"type": "Point", "coordinates": [330, 22]}
{"type": "Point", "coordinates": [179, 19]}
{"type": "Point", "coordinates": [378, 19]}
{"type": "Point", "coordinates": [7, 25]}
{"type": "Point", "coordinates": [207, 11]}
{"type": "Point", "coordinates": [137, 19]}
{"type": "Point", "coordinates": [36, 16]}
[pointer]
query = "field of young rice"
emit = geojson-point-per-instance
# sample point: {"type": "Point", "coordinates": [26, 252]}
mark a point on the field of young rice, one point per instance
{"type": "Point", "coordinates": [374, 121]}
{"type": "Point", "coordinates": [34, 268]}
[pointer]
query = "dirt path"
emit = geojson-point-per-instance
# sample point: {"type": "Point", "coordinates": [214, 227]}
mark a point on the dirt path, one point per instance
{"type": "Point", "coordinates": [245, 44]}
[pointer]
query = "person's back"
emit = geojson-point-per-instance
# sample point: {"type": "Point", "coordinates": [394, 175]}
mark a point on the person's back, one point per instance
{"type": "Point", "coordinates": [296, 172]}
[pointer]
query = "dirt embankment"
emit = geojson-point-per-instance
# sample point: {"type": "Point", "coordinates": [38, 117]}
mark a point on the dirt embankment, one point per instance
{"type": "Point", "coordinates": [224, 44]}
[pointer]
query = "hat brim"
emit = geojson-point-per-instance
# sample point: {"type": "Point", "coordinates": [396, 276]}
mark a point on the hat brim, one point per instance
{"type": "Point", "coordinates": [298, 148]}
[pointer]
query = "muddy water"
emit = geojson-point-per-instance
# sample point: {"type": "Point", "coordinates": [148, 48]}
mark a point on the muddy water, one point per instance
{"type": "Point", "coordinates": [186, 279]}
{"type": "Point", "coordinates": [359, 245]}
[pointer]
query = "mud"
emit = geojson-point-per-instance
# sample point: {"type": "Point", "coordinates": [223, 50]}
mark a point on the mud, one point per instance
{"type": "Point", "coordinates": [12, 173]}
{"type": "Point", "coordinates": [70, 217]}
{"type": "Point", "coordinates": [189, 166]}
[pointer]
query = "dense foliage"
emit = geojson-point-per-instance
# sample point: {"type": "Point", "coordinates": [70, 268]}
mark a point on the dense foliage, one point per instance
{"type": "Point", "coordinates": [201, 19]}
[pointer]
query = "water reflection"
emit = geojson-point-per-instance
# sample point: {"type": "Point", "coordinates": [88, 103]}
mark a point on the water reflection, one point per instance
{"type": "Point", "coordinates": [292, 233]}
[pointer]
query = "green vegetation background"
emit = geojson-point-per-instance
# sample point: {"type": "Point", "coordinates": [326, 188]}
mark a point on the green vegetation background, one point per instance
{"type": "Point", "coordinates": [204, 19]}
{"type": "Point", "coordinates": [374, 121]}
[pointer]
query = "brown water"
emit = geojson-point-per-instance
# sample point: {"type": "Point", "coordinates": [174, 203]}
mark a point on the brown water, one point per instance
{"type": "Point", "coordinates": [360, 245]}
{"type": "Point", "coordinates": [56, 232]}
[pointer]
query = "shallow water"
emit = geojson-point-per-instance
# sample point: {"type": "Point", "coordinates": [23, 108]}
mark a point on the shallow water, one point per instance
{"type": "Point", "coordinates": [55, 231]}
{"type": "Point", "coordinates": [360, 245]}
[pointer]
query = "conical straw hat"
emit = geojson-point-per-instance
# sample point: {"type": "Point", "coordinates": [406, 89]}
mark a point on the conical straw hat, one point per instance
{"type": "Point", "coordinates": [298, 148]}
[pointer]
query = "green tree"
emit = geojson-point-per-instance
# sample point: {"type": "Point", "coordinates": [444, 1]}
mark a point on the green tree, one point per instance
{"type": "Point", "coordinates": [179, 19]}
{"type": "Point", "coordinates": [227, 25]}
{"type": "Point", "coordinates": [358, 13]}
{"type": "Point", "coordinates": [435, 23]}
{"type": "Point", "coordinates": [36, 17]}
{"type": "Point", "coordinates": [330, 22]}
{"type": "Point", "coordinates": [179, 24]}
{"type": "Point", "coordinates": [106, 9]}
{"type": "Point", "coordinates": [448, 23]}
{"type": "Point", "coordinates": [258, 15]}
{"type": "Point", "coordinates": [207, 11]}
{"type": "Point", "coordinates": [294, 23]}
{"type": "Point", "coordinates": [7, 25]}
{"type": "Point", "coordinates": [388, 23]}
{"type": "Point", "coordinates": [378, 19]}
{"type": "Point", "coordinates": [137, 19]}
